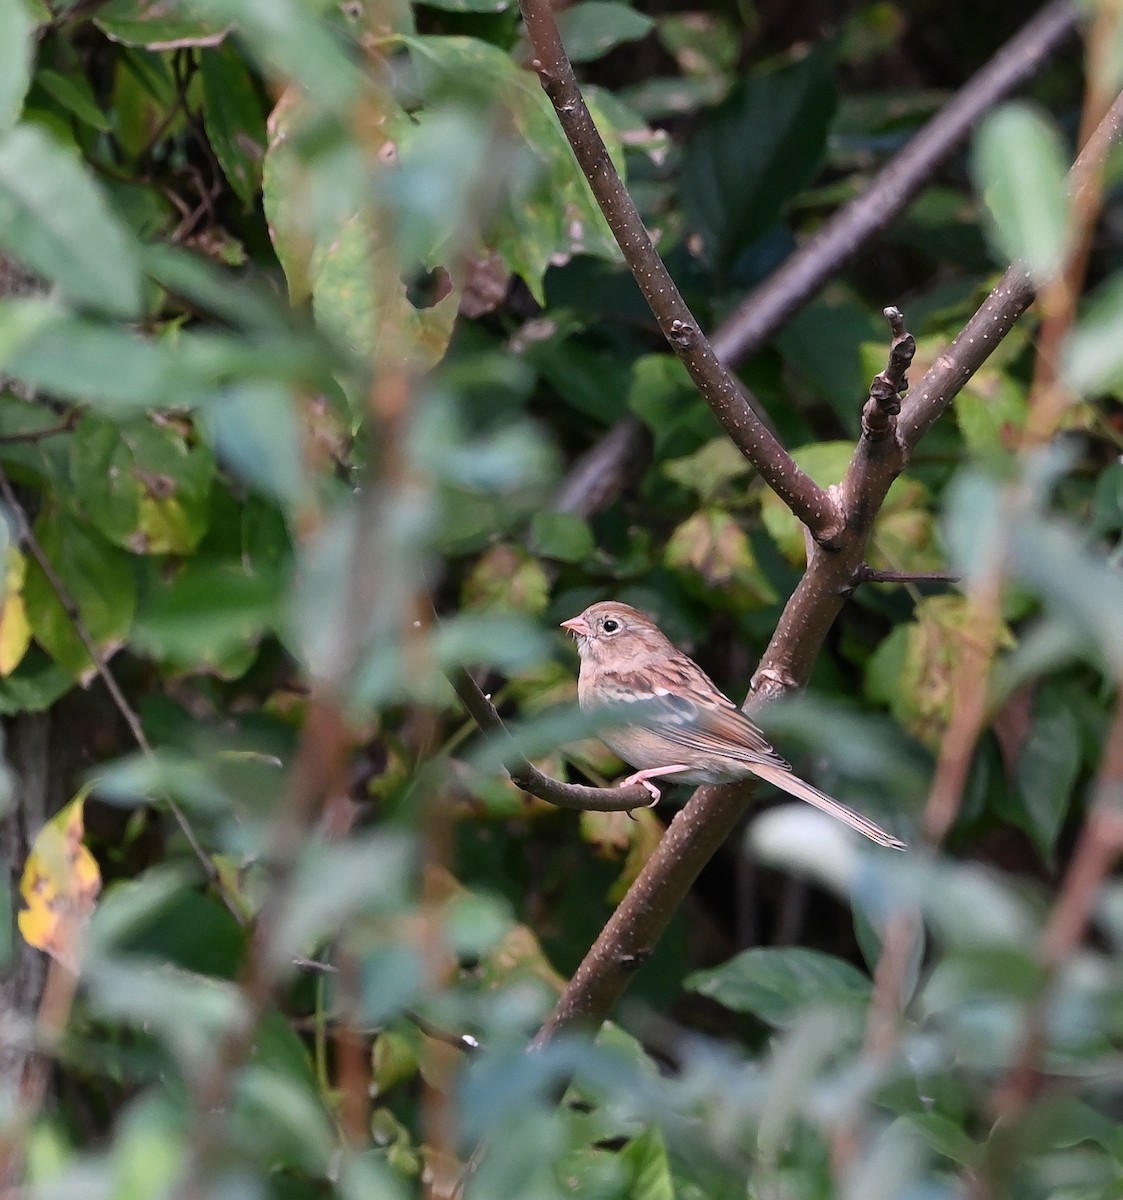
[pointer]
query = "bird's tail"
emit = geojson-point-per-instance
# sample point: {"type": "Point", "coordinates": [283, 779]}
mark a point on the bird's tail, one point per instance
{"type": "Point", "coordinates": [794, 786]}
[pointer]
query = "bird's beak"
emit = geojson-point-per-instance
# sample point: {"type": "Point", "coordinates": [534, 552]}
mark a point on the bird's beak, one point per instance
{"type": "Point", "coordinates": [578, 626]}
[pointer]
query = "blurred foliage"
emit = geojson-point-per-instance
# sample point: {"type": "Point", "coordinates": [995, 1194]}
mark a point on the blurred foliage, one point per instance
{"type": "Point", "coordinates": [305, 314]}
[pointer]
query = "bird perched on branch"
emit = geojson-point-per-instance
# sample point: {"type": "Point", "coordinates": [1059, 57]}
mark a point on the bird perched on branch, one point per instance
{"type": "Point", "coordinates": [666, 716]}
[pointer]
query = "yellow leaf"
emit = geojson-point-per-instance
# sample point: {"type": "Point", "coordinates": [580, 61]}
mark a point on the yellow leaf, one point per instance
{"type": "Point", "coordinates": [60, 883]}
{"type": "Point", "coordinates": [15, 630]}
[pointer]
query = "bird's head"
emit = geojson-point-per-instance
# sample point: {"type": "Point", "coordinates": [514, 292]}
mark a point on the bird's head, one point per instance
{"type": "Point", "coordinates": [614, 631]}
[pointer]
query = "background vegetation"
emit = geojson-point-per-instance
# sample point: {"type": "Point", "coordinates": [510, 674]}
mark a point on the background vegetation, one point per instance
{"type": "Point", "coordinates": [324, 383]}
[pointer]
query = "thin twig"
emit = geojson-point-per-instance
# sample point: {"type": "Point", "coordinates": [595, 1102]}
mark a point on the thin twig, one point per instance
{"type": "Point", "coordinates": [27, 536]}
{"type": "Point", "coordinates": [1102, 839]}
{"type": "Point", "coordinates": [529, 778]}
{"type": "Point", "coordinates": [869, 575]}
{"type": "Point", "coordinates": [37, 435]}
{"type": "Point", "coordinates": [810, 503]}
{"type": "Point", "coordinates": [1100, 847]}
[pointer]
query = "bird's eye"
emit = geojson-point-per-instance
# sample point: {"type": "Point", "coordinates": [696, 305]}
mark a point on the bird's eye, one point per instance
{"type": "Point", "coordinates": [611, 625]}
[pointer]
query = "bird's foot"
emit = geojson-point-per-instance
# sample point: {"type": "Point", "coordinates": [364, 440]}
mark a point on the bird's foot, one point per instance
{"type": "Point", "coordinates": [644, 778]}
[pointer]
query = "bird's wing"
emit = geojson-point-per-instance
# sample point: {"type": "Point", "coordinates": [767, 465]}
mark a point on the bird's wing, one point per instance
{"type": "Point", "coordinates": [688, 709]}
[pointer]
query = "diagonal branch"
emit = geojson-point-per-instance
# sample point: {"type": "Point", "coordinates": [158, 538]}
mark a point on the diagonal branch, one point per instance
{"type": "Point", "coordinates": [809, 502]}
{"type": "Point", "coordinates": [713, 812]}
{"type": "Point", "coordinates": [805, 271]}
{"type": "Point", "coordinates": [802, 274]}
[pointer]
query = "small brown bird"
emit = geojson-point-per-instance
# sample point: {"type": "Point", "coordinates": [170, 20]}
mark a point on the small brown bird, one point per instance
{"type": "Point", "coordinates": [682, 724]}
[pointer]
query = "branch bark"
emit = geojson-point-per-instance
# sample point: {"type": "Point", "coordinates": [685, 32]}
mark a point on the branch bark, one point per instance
{"type": "Point", "coordinates": [803, 273]}
{"type": "Point", "coordinates": [835, 565]}
{"type": "Point", "coordinates": [529, 778]}
{"type": "Point", "coordinates": [721, 391]}
{"type": "Point", "coordinates": [713, 812]}
{"type": "Point", "coordinates": [770, 305]}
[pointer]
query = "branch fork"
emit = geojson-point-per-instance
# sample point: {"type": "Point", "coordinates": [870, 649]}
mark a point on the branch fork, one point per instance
{"type": "Point", "coordinates": [840, 520]}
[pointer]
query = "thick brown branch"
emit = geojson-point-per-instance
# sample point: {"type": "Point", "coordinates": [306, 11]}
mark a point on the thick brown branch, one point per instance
{"type": "Point", "coordinates": [810, 503]}
{"type": "Point", "coordinates": [713, 812]}
{"type": "Point", "coordinates": [528, 777]}
{"type": "Point", "coordinates": [803, 273]}
{"type": "Point", "coordinates": [1002, 308]}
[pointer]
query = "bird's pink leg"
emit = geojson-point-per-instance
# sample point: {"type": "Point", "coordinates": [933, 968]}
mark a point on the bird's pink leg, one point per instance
{"type": "Point", "coordinates": [652, 773]}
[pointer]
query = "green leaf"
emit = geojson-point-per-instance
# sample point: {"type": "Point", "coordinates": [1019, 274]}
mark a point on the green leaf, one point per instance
{"type": "Point", "coordinates": [55, 220]}
{"type": "Point", "coordinates": [235, 122]}
{"type": "Point", "coordinates": [82, 360]}
{"type": "Point", "coordinates": [255, 432]}
{"type": "Point", "coordinates": [750, 156]}
{"type": "Point", "coordinates": [16, 55]}
{"type": "Point", "coordinates": [663, 397]}
{"type": "Point", "coordinates": [34, 685]}
{"type": "Point", "coordinates": [334, 882]}
{"type": "Point", "coordinates": [564, 536]}
{"type": "Point", "coordinates": [1093, 354]}
{"type": "Point", "coordinates": [775, 984]}
{"type": "Point", "coordinates": [1051, 558]}
{"type": "Point", "coordinates": [293, 40]}
{"type": "Point", "coordinates": [1019, 167]}
{"type": "Point", "coordinates": [547, 210]}
{"type": "Point", "coordinates": [142, 484]}
{"type": "Point", "coordinates": [713, 546]}
{"type": "Point", "coordinates": [507, 577]}
{"type": "Point", "coordinates": [74, 95]}
{"type": "Point", "coordinates": [650, 1167]}
{"type": "Point", "coordinates": [1047, 767]}
{"type": "Point", "coordinates": [945, 1136]}
{"type": "Point", "coordinates": [990, 411]}
{"type": "Point", "coordinates": [98, 580]}
{"type": "Point", "coordinates": [506, 642]}
{"type": "Point", "coordinates": [206, 611]}
{"type": "Point", "coordinates": [373, 320]}
{"type": "Point", "coordinates": [147, 23]}
{"type": "Point", "coordinates": [148, 1151]}
{"type": "Point", "coordinates": [124, 373]}
{"type": "Point", "coordinates": [709, 470]}
{"type": "Point", "coordinates": [592, 381]}
{"type": "Point", "coordinates": [826, 463]}
{"type": "Point", "coordinates": [592, 28]}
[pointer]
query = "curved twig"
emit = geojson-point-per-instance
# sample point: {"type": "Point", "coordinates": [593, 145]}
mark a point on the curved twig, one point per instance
{"type": "Point", "coordinates": [565, 795]}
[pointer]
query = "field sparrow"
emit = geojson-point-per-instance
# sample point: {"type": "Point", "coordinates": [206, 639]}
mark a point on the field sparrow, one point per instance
{"type": "Point", "coordinates": [682, 725]}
